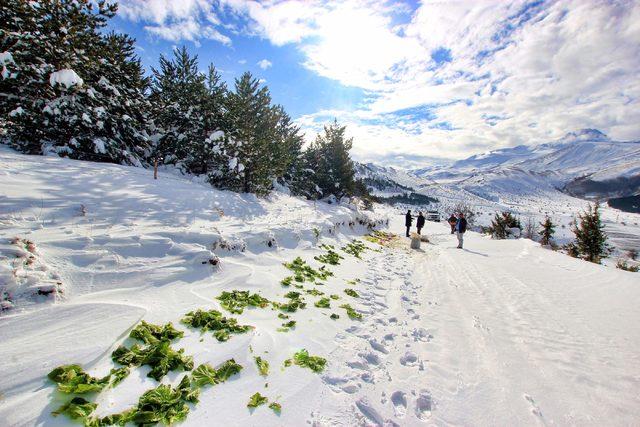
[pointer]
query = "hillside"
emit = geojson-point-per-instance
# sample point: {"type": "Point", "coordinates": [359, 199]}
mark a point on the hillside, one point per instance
{"type": "Point", "coordinates": [121, 247]}
{"type": "Point", "coordinates": [573, 164]}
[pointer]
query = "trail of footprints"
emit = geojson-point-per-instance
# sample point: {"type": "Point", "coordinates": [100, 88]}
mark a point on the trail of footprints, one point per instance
{"type": "Point", "coordinates": [381, 341]}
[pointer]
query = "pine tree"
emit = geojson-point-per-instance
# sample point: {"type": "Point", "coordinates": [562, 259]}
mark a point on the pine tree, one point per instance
{"type": "Point", "coordinates": [179, 99]}
{"type": "Point", "coordinates": [262, 141]}
{"type": "Point", "coordinates": [202, 154]}
{"type": "Point", "coordinates": [329, 158]}
{"type": "Point", "coordinates": [547, 232]}
{"type": "Point", "coordinates": [68, 88]}
{"type": "Point", "coordinates": [591, 240]}
{"type": "Point", "coordinates": [501, 224]}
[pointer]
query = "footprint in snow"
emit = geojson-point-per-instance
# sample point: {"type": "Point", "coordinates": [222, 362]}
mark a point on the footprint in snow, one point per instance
{"type": "Point", "coordinates": [421, 334]}
{"type": "Point", "coordinates": [399, 401]}
{"type": "Point", "coordinates": [371, 358]}
{"type": "Point", "coordinates": [423, 405]}
{"type": "Point", "coordinates": [369, 412]}
{"type": "Point", "coordinates": [378, 346]}
{"type": "Point", "coordinates": [409, 359]}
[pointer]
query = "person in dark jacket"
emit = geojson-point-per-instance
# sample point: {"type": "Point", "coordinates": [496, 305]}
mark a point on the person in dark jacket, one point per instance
{"type": "Point", "coordinates": [420, 222]}
{"type": "Point", "coordinates": [452, 222]}
{"type": "Point", "coordinates": [461, 227]}
{"type": "Point", "coordinates": [408, 220]}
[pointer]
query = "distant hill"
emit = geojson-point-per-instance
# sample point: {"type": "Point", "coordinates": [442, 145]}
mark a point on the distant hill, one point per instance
{"type": "Point", "coordinates": [586, 164]}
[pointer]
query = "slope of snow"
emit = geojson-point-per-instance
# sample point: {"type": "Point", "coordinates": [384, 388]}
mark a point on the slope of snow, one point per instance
{"type": "Point", "coordinates": [504, 332]}
{"type": "Point", "coordinates": [582, 153]}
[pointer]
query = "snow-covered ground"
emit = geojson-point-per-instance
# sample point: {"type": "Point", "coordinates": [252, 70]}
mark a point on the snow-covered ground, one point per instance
{"type": "Point", "coordinates": [503, 332]}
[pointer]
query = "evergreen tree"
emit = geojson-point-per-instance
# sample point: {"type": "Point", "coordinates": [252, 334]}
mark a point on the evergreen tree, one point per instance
{"type": "Point", "coordinates": [262, 142]}
{"type": "Point", "coordinates": [179, 99]}
{"type": "Point", "coordinates": [66, 87]}
{"type": "Point", "coordinates": [203, 153]}
{"type": "Point", "coordinates": [329, 158]}
{"type": "Point", "coordinates": [501, 224]}
{"type": "Point", "coordinates": [591, 240]}
{"type": "Point", "coordinates": [547, 232]}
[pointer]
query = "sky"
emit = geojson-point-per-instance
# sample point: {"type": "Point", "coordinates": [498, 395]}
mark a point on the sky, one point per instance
{"type": "Point", "coordinates": [417, 82]}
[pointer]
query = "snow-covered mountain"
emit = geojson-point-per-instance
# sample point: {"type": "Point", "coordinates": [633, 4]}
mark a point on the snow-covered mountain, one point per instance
{"type": "Point", "coordinates": [381, 179]}
{"type": "Point", "coordinates": [586, 163]}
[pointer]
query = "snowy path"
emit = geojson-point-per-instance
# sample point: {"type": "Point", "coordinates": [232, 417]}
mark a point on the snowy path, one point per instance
{"type": "Point", "coordinates": [504, 333]}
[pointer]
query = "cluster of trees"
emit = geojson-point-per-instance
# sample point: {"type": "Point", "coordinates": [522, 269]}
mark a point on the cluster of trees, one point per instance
{"type": "Point", "coordinates": [68, 87]}
{"type": "Point", "coordinates": [590, 241]}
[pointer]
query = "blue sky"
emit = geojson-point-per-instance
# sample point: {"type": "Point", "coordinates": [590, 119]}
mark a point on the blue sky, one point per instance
{"type": "Point", "coordinates": [414, 81]}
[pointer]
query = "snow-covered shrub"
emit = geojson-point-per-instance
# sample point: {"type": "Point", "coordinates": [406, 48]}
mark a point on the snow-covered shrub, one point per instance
{"type": "Point", "coordinates": [229, 245]}
{"type": "Point", "coordinates": [24, 277]}
{"type": "Point", "coordinates": [624, 265]}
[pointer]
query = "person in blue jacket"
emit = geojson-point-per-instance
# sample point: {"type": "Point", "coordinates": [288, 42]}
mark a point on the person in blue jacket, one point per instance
{"type": "Point", "coordinates": [461, 227]}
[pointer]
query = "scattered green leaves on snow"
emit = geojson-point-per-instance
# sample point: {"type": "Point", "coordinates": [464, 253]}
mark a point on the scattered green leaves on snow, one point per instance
{"type": "Point", "coordinates": [76, 408]}
{"type": "Point", "coordinates": [355, 248]}
{"type": "Point", "coordinates": [205, 374]}
{"type": "Point", "coordinates": [323, 303]}
{"type": "Point", "coordinates": [213, 320]}
{"type": "Point", "coordinates": [331, 257]}
{"type": "Point", "coordinates": [256, 400]}
{"type": "Point", "coordinates": [351, 293]}
{"type": "Point", "coordinates": [303, 359]}
{"type": "Point", "coordinates": [263, 365]}
{"type": "Point", "coordinates": [150, 333]}
{"type": "Point", "coordinates": [159, 356]}
{"type": "Point", "coordinates": [334, 296]}
{"type": "Point", "coordinates": [73, 379]}
{"type": "Point", "coordinates": [235, 301]}
{"type": "Point", "coordinates": [334, 316]}
{"type": "Point", "coordinates": [304, 272]}
{"type": "Point", "coordinates": [295, 302]}
{"type": "Point", "coordinates": [276, 407]}
{"type": "Point", "coordinates": [351, 312]}
{"type": "Point", "coordinates": [382, 238]}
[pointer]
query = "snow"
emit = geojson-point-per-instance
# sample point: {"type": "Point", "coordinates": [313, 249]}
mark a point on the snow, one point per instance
{"type": "Point", "coordinates": [65, 77]}
{"type": "Point", "coordinates": [99, 146]}
{"type": "Point", "coordinates": [6, 58]}
{"type": "Point", "coordinates": [501, 333]}
{"type": "Point", "coordinates": [216, 135]}
{"type": "Point", "coordinates": [16, 112]}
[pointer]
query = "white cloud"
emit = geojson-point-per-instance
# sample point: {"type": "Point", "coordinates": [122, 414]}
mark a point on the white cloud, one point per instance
{"type": "Point", "coordinates": [519, 73]}
{"type": "Point", "coordinates": [242, 61]}
{"type": "Point", "coordinates": [191, 20]}
{"type": "Point", "coordinates": [264, 64]}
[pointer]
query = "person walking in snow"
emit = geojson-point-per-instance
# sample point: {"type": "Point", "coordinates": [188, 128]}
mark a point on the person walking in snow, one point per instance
{"type": "Point", "coordinates": [408, 220]}
{"type": "Point", "coordinates": [420, 222]}
{"type": "Point", "coordinates": [461, 227]}
{"type": "Point", "coordinates": [452, 222]}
